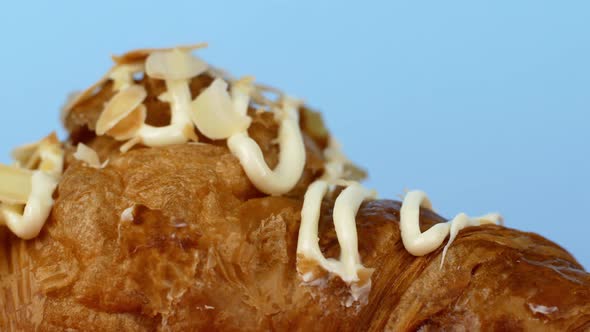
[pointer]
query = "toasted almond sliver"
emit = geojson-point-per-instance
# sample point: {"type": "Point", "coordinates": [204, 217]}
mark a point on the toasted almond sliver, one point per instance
{"type": "Point", "coordinates": [71, 99]}
{"type": "Point", "coordinates": [130, 125]}
{"type": "Point", "coordinates": [213, 112]}
{"type": "Point", "coordinates": [122, 75]}
{"type": "Point", "coordinates": [189, 132]}
{"type": "Point", "coordinates": [28, 155]}
{"type": "Point", "coordinates": [130, 144]}
{"type": "Point", "coordinates": [241, 91]}
{"type": "Point", "coordinates": [76, 98]}
{"type": "Point", "coordinates": [87, 155]}
{"type": "Point", "coordinates": [141, 54]}
{"type": "Point", "coordinates": [119, 107]}
{"type": "Point", "coordinates": [51, 155]}
{"type": "Point", "coordinates": [176, 64]}
{"type": "Point", "coordinates": [15, 184]}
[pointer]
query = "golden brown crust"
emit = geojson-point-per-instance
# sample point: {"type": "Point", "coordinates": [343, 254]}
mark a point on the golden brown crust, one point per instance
{"type": "Point", "coordinates": [206, 251]}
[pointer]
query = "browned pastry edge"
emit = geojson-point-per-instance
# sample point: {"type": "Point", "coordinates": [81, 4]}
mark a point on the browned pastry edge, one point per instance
{"type": "Point", "coordinates": [206, 251]}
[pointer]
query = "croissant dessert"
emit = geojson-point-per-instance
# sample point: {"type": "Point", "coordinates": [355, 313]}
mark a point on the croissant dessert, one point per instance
{"type": "Point", "coordinates": [188, 200]}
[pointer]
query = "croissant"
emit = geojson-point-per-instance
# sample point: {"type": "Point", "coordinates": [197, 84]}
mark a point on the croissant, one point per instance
{"type": "Point", "coordinates": [158, 226]}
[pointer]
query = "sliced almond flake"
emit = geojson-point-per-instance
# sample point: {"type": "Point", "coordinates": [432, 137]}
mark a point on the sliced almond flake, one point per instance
{"type": "Point", "coordinates": [189, 132]}
{"type": "Point", "coordinates": [175, 64]}
{"type": "Point", "coordinates": [122, 75]}
{"type": "Point", "coordinates": [259, 95]}
{"type": "Point", "coordinates": [338, 165]}
{"type": "Point", "coordinates": [220, 73]}
{"type": "Point", "coordinates": [87, 155]}
{"type": "Point", "coordinates": [354, 172]}
{"type": "Point", "coordinates": [28, 155]}
{"type": "Point", "coordinates": [68, 105]}
{"type": "Point", "coordinates": [15, 184]}
{"type": "Point", "coordinates": [130, 125]}
{"type": "Point", "coordinates": [51, 154]}
{"type": "Point", "coordinates": [267, 88]}
{"type": "Point", "coordinates": [76, 98]}
{"type": "Point", "coordinates": [313, 123]}
{"type": "Point", "coordinates": [119, 107]}
{"type": "Point", "coordinates": [51, 139]}
{"type": "Point", "coordinates": [214, 115]}
{"type": "Point", "coordinates": [140, 55]}
{"type": "Point", "coordinates": [130, 144]}
{"type": "Point", "coordinates": [259, 99]}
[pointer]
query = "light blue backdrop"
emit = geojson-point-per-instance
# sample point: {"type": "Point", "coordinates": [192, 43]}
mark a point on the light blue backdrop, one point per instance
{"type": "Point", "coordinates": [483, 104]}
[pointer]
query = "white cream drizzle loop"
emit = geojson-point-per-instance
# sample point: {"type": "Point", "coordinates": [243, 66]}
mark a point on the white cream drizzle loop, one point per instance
{"type": "Point", "coordinates": [344, 215]}
{"type": "Point", "coordinates": [26, 221]}
{"type": "Point", "coordinates": [217, 114]}
{"type": "Point", "coordinates": [176, 67]}
{"type": "Point", "coordinates": [291, 157]}
{"type": "Point", "coordinates": [416, 242]}
{"type": "Point", "coordinates": [179, 97]}
{"type": "Point", "coordinates": [420, 244]}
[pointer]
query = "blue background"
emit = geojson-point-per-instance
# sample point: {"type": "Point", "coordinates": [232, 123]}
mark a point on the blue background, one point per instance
{"type": "Point", "coordinates": [483, 104]}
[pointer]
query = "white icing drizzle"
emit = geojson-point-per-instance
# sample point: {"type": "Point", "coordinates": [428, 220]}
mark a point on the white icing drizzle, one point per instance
{"type": "Point", "coordinates": [308, 241]}
{"type": "Point", "coordinates": [219, 114]}
{"type": "Point", "coordinates": [420, 244]}
{"type": "Point", "coordinates": [215, 112]}
{"type": "Point", "coordinates": [291, 157]}
{"type": "Point", "coordinates": [346, 207]}
{"type": "Point", "coordinates": [179, 97]}
{"type": "Point", "coordinates": [176, 67]}
{"type": "Point", "coordinates": [26, 221]}
{"type": "Point", "coordinates": [416, 242]}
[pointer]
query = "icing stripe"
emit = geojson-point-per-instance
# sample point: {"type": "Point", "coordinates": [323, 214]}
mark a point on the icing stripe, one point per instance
{"type": "Point", "coordinates": [292, 156]}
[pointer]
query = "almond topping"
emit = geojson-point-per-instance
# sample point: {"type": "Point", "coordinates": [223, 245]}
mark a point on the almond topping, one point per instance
{"type": "Point", "coordinates": [130, 125]}
{"type": "Point", "coordinates": [176, 64]}
{"type": "Point", "coordinates": [29, 155]}
{"type": "Point", "coordinates": [189, 132]}
{"type": "Point", "coordinates": [122, 75]}
{"type": "Point", "coordinates": [15, 184]}
{"type": "Point", "coordinates": [141, 54]}
{"type": "Point", "coordinates": [119, 107]}
{"type": "Point", "coordinates": [130, 144]}
{"type": "Point", "coordinates": [88, 156]}
{"type": "Point", "coordinates": [76, 98]}
{"type": "Point", "coordinates": [215, 114]}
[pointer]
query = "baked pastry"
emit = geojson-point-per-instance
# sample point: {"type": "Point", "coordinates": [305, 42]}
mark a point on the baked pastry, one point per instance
{"type": "Point", "coordinates": [174, 207]}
